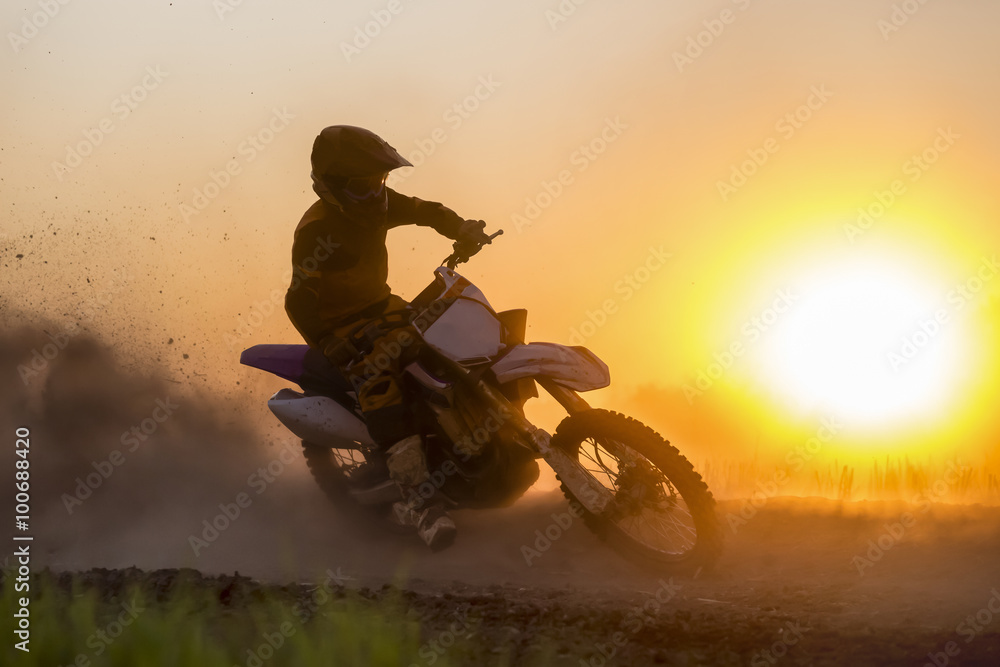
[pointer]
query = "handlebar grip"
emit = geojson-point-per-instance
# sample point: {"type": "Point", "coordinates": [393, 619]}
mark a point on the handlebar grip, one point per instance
{"type": "Point", "coordinates": [455, 258]}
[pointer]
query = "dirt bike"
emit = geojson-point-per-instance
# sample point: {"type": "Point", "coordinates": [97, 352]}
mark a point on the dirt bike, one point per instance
{"type": "Point", "coordinates": [467, 386]}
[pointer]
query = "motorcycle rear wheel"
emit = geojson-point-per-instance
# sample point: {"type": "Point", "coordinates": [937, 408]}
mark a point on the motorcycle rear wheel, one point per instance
{"type": "Point", "coordinates": [331, 469]}
{"type": "Point", "coordinates": [664, 516]}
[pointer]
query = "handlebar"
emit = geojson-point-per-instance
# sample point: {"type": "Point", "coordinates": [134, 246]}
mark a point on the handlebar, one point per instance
{"type": "Point", "coordinates": [463, 251]}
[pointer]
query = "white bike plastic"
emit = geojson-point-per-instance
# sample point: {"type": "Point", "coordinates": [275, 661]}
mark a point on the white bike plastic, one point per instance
{"type": "Point", "coordinates": [320, 420]}
{"type": "Point", "coordinates": [576, 368]}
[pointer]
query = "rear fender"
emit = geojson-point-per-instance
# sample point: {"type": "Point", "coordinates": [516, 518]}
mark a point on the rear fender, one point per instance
{"type": "Point", "coordinates": [320, 420]}
{"type": "Point", "coordinates": [574, 367]}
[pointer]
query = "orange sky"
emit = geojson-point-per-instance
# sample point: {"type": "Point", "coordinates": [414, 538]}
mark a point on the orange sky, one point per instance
{"type": "Point", "coordinates": [731, 146]}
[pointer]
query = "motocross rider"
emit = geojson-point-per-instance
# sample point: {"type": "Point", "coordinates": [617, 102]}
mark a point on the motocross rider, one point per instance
{"type": "Point", "coordinates": [341, 304]}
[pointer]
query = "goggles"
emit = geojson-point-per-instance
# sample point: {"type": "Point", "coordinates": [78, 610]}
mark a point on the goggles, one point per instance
{"type": "Point", "coordinates": [362, 188]}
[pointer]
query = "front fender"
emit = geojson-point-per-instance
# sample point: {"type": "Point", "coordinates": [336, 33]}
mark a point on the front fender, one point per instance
{"type": "Point", "coordinates": [574, 367]}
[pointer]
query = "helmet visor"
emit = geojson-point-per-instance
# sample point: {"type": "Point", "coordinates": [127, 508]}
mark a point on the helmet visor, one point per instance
{"type": "Point", "coordinates": [367, 187]}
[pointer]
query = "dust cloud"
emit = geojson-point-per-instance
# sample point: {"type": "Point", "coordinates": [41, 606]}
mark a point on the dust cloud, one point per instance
{"type": "Point", "coordinates": [131, 469]}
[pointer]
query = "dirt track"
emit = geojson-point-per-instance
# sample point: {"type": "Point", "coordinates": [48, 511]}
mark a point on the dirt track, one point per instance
{"type": "Point", "coordinates": [788, 590]}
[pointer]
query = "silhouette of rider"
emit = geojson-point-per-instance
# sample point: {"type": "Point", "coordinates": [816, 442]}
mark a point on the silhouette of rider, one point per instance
{"type": "Point", "coordinates": [341, 303]}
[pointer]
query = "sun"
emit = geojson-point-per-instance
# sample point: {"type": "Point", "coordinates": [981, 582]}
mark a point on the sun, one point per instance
{"type": "Point", "coordinates": [872, 343]}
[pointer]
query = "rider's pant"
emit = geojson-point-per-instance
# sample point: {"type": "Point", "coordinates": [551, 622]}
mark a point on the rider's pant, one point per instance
{"type": "Point", "coordinates": [375, 376]}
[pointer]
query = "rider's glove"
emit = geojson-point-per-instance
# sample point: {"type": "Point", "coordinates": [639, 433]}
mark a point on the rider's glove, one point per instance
{"type": "Point", "coordinates": [471, 232]}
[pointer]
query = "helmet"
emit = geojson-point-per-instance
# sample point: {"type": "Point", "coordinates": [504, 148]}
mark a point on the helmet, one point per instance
{"type": "Point", "coordinates": [349, 168]}
{"type": "Point", "coordinates": [345, 151]}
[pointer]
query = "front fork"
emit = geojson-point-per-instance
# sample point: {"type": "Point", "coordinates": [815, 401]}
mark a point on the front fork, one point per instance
{"type": "Point", "coordinates": [593, 495]}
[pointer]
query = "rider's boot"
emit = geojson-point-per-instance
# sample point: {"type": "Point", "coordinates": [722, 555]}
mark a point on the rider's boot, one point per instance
{"type": "Point", "coordinates": [408, 468]}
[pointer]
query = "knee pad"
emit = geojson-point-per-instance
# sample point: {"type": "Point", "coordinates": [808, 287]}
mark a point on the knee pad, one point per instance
{"type": "Point", "coordinates": [407, 463]}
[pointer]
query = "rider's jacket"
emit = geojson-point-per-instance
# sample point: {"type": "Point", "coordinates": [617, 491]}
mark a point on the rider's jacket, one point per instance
{"type": "Point", "coordinates": [340, 266]}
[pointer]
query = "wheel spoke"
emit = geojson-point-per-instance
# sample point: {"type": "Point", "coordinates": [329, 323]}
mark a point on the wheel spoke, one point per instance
{"type": "Point", "coordinates": [658, 527]}
{"type": "Point", "coordinates": [664, 523]}
{"type": "Point", "coordinates": [669, 537]}
{"type": "Point", "coordinates": [347, 459]}
{"type": "Point", "coordinates": [604, 470]}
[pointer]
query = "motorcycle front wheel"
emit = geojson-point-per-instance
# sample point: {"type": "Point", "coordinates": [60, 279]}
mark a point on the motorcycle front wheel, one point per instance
{"type": "Point", "coordinates": [663, 515]}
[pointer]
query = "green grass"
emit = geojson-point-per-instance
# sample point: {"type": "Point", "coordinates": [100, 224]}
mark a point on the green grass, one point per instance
{"type": "Point", "coordinates": [193, 627]}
